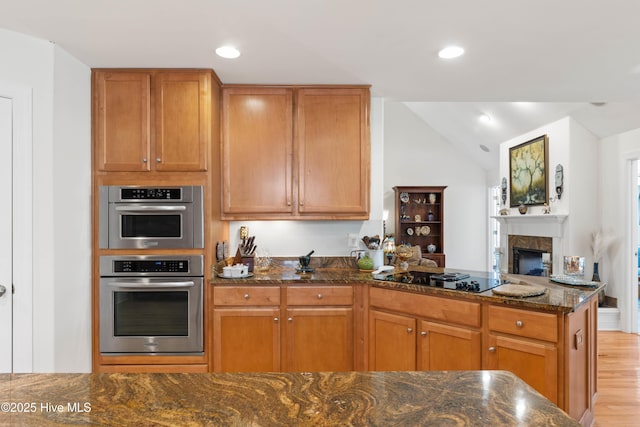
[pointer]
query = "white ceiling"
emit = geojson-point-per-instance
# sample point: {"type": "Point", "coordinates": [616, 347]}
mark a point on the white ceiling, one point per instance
{"type": "Point", "coordinates": [563, 53]}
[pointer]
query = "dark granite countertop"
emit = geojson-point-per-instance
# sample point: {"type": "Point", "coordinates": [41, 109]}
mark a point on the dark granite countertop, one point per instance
{"type": "Point", "coordinates": [436, 398]}
{"type": "Point", "coordinates": [336, 271]}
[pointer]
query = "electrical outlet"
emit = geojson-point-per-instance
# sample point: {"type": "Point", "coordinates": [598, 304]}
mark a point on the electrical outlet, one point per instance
{"type": "Point", "coordinates": [352, 240]}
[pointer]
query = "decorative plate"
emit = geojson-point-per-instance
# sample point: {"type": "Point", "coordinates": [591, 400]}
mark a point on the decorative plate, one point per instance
{"type": "Point", "coordinates": [574, 281]}
{"type": "Point", "coordinates": [425, 230]}
{"type": "Point", "coordinates": [410, 231]}
{"type": "Point", "coordinates": [404, 197]}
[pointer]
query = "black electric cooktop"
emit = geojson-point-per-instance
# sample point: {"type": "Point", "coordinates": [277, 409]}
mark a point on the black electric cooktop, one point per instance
{"type": "Point", "coordinates": [451, 280]}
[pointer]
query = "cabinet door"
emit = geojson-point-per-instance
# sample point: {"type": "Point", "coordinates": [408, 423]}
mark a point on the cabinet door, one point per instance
{"type": "Point", "coordinates": [333, 151]}
{"type": "Point", "coordinates": [448, 348]}
{"type": "Point", "coordinates": [122, 120]}
{"type": "Point", "coordinates": [246, 340]}
{"type": "Point", "coordinates": [536, 363]}
{"type": "Point", "coordinates": [257, 150]}
{"type": "Point", "coordinates": [392, 342]}
{"type": "Point", "coordinates": [183, 123]}
{"type": "Point", "coordinates": [319, 339]}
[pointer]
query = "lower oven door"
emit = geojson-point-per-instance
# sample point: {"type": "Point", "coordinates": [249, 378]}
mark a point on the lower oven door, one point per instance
{"type": "Point", "coordinates": [151, 315]}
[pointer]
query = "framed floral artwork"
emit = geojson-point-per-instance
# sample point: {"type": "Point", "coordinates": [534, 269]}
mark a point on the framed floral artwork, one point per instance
{"type": "Point", "coordinates": [528, 169]}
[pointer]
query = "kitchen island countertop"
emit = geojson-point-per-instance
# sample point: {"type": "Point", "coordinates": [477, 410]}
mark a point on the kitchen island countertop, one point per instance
{"type": "Point", "coordinates": [461, 398]}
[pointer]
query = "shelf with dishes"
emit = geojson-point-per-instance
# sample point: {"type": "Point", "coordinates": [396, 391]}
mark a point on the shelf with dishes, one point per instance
{"type": "Point", "coordinates": [420, 220]}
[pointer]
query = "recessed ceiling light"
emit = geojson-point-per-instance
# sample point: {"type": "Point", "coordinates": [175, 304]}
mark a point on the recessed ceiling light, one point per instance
{"type": "Point", "coordinates": [450, 52]}
{"type": "Point", "coordinates": [485, 118]}
{"type": "Point", "coordinates": [228, 52]}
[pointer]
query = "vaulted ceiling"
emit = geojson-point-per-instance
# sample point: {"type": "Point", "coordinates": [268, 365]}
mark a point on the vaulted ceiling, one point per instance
{"type": "Point", "coordinates": [559, 56]}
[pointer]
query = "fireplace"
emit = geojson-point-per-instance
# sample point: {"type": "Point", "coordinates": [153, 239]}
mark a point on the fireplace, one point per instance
{"type": "Point", "coordinates": [525, 254]}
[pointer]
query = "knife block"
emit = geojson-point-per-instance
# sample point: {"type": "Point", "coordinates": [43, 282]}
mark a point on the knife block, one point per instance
{"type": "Point", "coordinates": [249, 260]}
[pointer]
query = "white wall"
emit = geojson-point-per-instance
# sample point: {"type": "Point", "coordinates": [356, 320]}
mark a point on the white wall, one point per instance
{"type": "Point", "coordinates": [576, 149]}
{"type": "Point", "coordinates": [60, 165]}
{"type": "Point", "coordinates": [618, 265]}
{"type": "Point", "coordinates": [414, 154]}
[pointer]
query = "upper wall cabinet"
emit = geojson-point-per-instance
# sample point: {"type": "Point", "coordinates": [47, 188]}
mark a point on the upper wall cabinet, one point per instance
{"type": "Point", "coordinates": [295, 152]}
{"type": "Point", "coordinates": [151, 120]}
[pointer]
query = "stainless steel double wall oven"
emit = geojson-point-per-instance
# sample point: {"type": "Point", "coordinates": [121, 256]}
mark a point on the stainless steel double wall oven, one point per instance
{"type": "Point", "coordinates": [151, 303]}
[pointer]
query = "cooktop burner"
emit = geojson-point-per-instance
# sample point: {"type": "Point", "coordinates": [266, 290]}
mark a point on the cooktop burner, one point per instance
{"type": "Point", "coordinates": [454, 281]}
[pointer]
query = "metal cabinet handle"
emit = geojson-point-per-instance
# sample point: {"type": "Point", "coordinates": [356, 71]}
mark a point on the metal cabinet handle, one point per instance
{"type": "Point", "coordinates": [319, 296]}
{"type": "Point", "coordinates": [275, 319]}
{"type": "Point", "coordinates": [158, 160]}
{"type": "Point", "coordinates": [301, 203]}
{"type": "Point", "coordinates": [144, 160]}
{"type": "Point", "coordinates": [290, 319]}
{"type": "Point", "coordinates": [246, 296]}
{"type": "Point", "coordinates": [519, 323]}
{"type": "Point", "coordinates": [3, 290]}
{"type": "Point", "coordinates": [492, 349]}
{"type": "Point", "coordinates": [423, 333]}
{"type": "Point", "coordinates": [409, 330]}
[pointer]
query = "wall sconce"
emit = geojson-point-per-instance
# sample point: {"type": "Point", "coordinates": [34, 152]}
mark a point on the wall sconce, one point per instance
{"type": "Point", "coordinates": [559, 180]}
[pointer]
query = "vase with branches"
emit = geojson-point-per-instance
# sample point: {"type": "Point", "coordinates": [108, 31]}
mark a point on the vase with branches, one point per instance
{"type": "Point", "coordinates": [600, 242]}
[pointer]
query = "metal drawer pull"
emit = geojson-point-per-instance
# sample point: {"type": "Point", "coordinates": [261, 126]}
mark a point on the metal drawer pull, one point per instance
{"type": "Point", "coordinates": [158, 160]}
{"type": "Point", "coordinates": [246, 296]}
{"type": "Point", "coordinates": [319, 296]}
{"type": "Point", "coordinates": [492, 349]}
{"type": "Point", "coordinates": [275, 319]}
{"type": "Point", "coordinates": [519, 323]}
{"type": "Point", "coordinates": [290, 319]}
{"type": "Point", "coordinates": [423, 333]}
{"type": "Point", "coordinates": [409, 330]}
{"type": "Point", "coordinates": [144, 160]}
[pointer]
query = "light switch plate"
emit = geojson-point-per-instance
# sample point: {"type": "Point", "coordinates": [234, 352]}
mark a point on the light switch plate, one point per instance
{"type": "Point", "coordinates": [352, 240]}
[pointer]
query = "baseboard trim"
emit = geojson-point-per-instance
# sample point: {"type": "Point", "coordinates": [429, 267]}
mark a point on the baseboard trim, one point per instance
{"type": "Point", "coordinates": [609, 319]}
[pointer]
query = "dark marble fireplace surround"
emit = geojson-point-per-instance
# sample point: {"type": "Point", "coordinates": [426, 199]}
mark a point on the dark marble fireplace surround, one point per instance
{"type": "Point", "coordinates": [528, 251]}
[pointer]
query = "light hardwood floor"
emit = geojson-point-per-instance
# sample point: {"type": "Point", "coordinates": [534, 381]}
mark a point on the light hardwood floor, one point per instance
{"type": "Point", "coordinates": [618, 402]}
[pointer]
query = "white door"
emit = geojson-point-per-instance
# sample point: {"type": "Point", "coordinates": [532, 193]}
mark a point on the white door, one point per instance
{"type": "Point", "coordinates": [6, 250]}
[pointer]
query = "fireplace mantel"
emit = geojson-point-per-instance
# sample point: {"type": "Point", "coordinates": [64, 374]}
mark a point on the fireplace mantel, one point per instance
{"type": "Point", "coordinates": [547, 225]}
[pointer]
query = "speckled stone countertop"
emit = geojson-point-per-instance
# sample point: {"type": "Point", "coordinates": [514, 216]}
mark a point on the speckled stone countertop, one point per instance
{"type": "Point", "coordinates": [338, 270]}
{"type": "Point", "coordinates": [436, 398]}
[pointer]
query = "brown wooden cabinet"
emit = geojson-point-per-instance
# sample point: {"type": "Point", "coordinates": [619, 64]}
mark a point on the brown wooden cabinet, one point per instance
{"type": "Point", "coordinates": [419, 220]}
{"type": "Point", "coordinates": [319, 329]}
{"type": "Point", "coordinates": [448, 347]}
{"type": "Point", "coordinates": [316, 335]}
{"type": "Point", "coordinates": [392, 342]}
{"type": "Point", "coordinates": [246, 329]}
{"type": "Point", "coordinates": [396, 343]}
{"type": "Point", "coordinates": [152, 120]}
{"type": "Point", "coordinates": [320, 171]}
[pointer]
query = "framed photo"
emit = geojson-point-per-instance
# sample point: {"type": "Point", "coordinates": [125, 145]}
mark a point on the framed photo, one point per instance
{"type": "Point", "coordinates": [528, 169]}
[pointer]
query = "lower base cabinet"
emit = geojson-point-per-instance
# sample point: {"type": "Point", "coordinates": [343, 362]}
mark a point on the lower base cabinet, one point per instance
{"type": "Point", "coordinates": [315, 335]}
{"type": "Point", "coordinates": [395, 344]}
{"type": "Point", "coordinates": [246, 340]}
{"type": "Point", "coordinates": [319, 339]}
{"type": "Point", "coordinates": [392, 342]}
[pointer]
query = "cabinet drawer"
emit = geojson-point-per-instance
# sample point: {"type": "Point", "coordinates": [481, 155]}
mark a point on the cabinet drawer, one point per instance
{"type": "Point", "coordinates": [524, 323]}
{"type": "Point", "coordinates": [454, 311]}
{"type": "Point", "coordinates": [246, 295]}
{"type": "Point", "coordinates": [325, 295]}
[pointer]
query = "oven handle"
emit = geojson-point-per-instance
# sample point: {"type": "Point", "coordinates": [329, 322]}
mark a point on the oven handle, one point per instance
{"type": "Point", "coordinates": [134, 208]}
{"type": "Point", "coordinates": [146, 285]}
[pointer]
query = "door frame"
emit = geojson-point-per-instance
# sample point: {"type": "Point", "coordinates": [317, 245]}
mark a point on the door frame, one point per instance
{"type": "Point", "coordinates": [22, 105]}
{"type": "Point", "coordinates": [629, 315]}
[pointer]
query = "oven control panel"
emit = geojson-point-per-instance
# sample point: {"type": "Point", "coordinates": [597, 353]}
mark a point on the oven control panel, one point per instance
{"type": "Point", "coordinates": [128, 193]}
{"type": "Point", "coordinates": [151, 266]}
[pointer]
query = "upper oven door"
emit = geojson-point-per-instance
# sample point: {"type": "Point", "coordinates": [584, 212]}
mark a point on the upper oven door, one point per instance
{"type": "Point", "coordinates": [151, 225]}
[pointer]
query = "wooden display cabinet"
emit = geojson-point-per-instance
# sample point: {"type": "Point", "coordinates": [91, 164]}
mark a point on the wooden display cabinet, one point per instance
{"type": "Point", "coordinates": [420, 220]}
